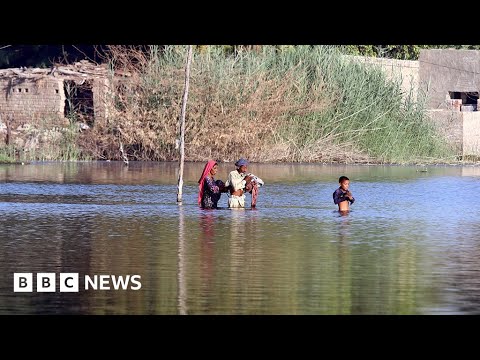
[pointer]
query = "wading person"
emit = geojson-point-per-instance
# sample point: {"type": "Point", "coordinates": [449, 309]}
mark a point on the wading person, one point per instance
{"type": "Point", "coordinates": [209, 189]}
{"type": "Point", "coordinates": [239, 183]}
{"type": "Point", "coordinates": [236, 184]}
{"type": "Point", "coordinates": [342, 196]}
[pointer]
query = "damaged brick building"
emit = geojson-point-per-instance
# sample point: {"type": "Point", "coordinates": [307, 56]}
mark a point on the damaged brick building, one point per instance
{"type": "Point", "coordinates": [51, 98]}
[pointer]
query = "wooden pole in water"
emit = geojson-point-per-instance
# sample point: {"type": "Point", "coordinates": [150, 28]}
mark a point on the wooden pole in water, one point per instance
{"type": "Point", "coordinates": [182, 126]}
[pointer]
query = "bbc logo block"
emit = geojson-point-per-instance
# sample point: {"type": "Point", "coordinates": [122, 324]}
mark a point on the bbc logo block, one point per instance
{"type": "Point", "coordinates": [45, 282]}
{"type": "Point", "coordinates": [22, 282]}
{"type": "Point", "coordinates": [69, 282]}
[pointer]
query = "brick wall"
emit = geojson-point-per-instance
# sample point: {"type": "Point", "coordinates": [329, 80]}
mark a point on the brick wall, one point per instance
{"type": "Point", "coordinates": [101, 98]}
{"type": "Point", "coordinates": [26, 101]}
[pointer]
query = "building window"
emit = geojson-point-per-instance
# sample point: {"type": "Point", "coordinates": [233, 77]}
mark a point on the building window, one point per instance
{"type": "Point", "coordinates": [464, 101]}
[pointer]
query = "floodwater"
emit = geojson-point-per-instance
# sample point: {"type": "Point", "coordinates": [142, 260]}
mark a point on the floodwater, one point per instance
{"type": "Point", "coordinates": [410, 244]}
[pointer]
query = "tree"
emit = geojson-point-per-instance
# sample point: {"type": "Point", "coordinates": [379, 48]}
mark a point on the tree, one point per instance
{"type": "Point", "coordinates": [45, 55]}
{"type": "Point", "coordinates": [401, 52]}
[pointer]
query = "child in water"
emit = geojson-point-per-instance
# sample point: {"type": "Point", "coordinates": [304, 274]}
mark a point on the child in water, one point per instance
{"type": "Point", "coordinates": [342, 196]}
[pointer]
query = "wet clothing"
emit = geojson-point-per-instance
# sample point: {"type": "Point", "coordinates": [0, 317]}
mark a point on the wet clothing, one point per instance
{"type": "Point", "coordinates": [340, 195]}
{"type": "Point", "coordinates": [236, 182]}
{"type": "Point", "coordinates": [236, 201]}
{"type": "Point", "coordinates": [211, 193]}
{"type": "Point", "coordinates": [206, 171]}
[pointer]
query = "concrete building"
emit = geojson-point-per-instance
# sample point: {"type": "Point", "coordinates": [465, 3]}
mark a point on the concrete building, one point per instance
{"type": "Point", "coordinates": [451, 80]}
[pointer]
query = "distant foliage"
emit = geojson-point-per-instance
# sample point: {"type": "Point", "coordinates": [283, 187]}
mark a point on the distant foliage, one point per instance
{"type": "Point", "coordinates": [401, 52]}
{"type": "Point", "coordinates": [43, 56]}
{"type": "Point", "coordinates": [46, 55]}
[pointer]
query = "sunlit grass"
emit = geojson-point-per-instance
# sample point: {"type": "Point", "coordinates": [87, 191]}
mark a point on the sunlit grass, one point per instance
{"type": "Point", "coordinates": [306, 103]}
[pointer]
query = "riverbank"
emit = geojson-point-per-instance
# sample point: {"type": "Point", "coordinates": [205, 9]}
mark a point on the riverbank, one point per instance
{"type": "Point", "coordinates": [420, 163]}
{"type": "Point", "coordinates": [305, 104]}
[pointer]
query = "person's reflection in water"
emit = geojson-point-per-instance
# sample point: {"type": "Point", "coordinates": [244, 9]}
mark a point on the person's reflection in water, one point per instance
{"type": "Point", "coordinates": [207, 251]}
{"type": "Point", "coordinates": [238, 261]}
{"type": "Point", "coordinates": [237, 224]}
{"type": "Point", "coordinates": [344, 273]}
{"type": "Point", "coordinates": [344, 227]}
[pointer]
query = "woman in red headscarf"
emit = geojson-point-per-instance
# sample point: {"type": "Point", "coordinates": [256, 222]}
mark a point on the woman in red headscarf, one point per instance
{"type": "Point", "coordinates": [209, 190]}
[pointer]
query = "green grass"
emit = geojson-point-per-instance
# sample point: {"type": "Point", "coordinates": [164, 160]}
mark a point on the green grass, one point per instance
{"type": "Point", "coordinates": [365, 110]}
{"type": "Point", "coordinates": [7, 155]}
{"type": "Point", "coordinates": [46, 143]}
{"type": "Point", "coordinates": [5, 159]}
{"type": "Point", "coordinates": [322, 98]}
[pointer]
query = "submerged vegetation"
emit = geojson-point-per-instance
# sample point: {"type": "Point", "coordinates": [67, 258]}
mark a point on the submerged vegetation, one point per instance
{"type": "Point", "coordinates": [292, 104]}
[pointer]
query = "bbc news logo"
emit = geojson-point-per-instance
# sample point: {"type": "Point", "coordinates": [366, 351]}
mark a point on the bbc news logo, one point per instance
{"type": "Point", "coordinates": [69, 282]}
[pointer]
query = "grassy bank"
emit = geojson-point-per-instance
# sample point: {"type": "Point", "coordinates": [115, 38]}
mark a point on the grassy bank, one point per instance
{"type": "Point", "coordinates": [291, 104]}
{"type": "Point", "coordinates": [305, 104]}
{"type": "Point", "coordinates": [45, 143]}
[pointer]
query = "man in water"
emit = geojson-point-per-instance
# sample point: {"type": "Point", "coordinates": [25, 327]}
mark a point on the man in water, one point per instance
{"type": "Point", "coordinates": [237, 182]}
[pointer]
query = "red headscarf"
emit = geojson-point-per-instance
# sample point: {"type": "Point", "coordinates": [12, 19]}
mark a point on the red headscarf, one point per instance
{"type": "Point", "coordinates": [206, 171]}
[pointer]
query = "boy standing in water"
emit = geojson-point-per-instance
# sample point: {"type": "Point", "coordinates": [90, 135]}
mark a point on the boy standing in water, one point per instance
{"type": "Point", "coordinates": [342, 196]}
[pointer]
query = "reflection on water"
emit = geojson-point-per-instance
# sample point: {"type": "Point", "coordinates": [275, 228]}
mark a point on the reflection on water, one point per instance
{"type": "Point", "coordinates": [409, 245]}
{"type": "Point", "coordinates": [182, 291]}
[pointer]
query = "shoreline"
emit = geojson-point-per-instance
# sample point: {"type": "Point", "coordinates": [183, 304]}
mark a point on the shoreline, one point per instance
{"type": "Point", "coordinates": [418, 164]}
{"type": "Point", "coordinates": [14, 163]}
